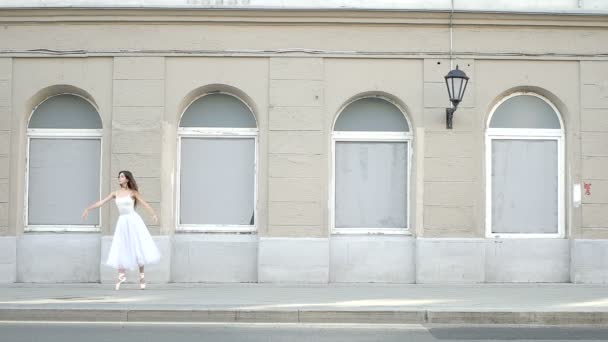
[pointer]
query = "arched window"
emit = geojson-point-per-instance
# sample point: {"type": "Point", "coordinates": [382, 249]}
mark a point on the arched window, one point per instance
{"type": "Point", "coordinates": [371, 168]}
{"type": "Point", "coordinates": [217, 176]}
{"type": "Point", "coordinates": [525, 168]}
{"type": "Point", "coordinates": [63, 164]}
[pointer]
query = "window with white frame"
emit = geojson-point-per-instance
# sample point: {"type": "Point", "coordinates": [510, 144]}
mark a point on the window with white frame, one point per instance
{"type": "Point", "coordinates": [217, 176]}
{"type": "Point", "coordinates": [525, 168]}
{"type": "Point", "coordinates": [63, 164]}
{"type": "Point", "coordinates": [371, 144]}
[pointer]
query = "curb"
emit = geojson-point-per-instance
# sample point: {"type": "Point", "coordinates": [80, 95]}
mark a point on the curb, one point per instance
{"type": "Point", "coordinates": [306, 316]}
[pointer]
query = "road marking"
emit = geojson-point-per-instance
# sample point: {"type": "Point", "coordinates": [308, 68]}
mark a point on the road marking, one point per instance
{"type": "Point", "coordinates": [249, 324]}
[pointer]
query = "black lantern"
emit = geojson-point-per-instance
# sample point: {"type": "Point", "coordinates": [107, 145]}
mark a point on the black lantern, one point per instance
{"type": "Point", "coordinates": [456, 80]}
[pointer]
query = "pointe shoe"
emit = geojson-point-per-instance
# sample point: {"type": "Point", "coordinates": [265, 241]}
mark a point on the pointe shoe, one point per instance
{"type": "Point", "coordinates": [142, 282]}
{"type": "Point", "coordinates": [121, 279]}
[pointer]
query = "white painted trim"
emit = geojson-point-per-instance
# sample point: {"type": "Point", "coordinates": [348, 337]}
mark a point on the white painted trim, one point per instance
{"type": "Point", "coordinates": [204, 228]}
{"type": "Point", "coordinates": [62, 228]}
{"type": "Point", "coordinates": [517, 133]}
{"type": "Point", "coordinates": [216, 133]}
{"type": "Point", "coordinates": [178, 177]}
{"type": "Point", "coordinates": [526, 134]}
{"type": "Point", "coordinates": [525, 236]}
{"type": "Point", "coordinates": [332, 188]}
{"type": "Point", "coordinates": [27, 184]}
{"type": "Point", "coordinates": [561, 186]}
{"type": "Point", "coordinates": [410, 152]}
{"type": "Point", "coordinates": [488, 188]}
{"type": "Point", "coordinates": [371, 231]}
{"type": "Point", "coordinates": [369, 136]}
{"type": "Point", "coordinates": [64, 133]}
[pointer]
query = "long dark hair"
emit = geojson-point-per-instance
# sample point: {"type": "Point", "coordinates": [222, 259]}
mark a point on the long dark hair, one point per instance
{"type": "Point", "coordinates": [131, 184]}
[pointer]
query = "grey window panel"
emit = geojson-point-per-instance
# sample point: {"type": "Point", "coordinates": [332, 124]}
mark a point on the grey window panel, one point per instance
{"type": "Point", "coordinates": [218, 110]}
{"type": "Point", "coordinates": [525, 111]}
{"type": "Point", "coordinates": [371, 114]}
{"type": "Point", "coordinates": [63, 180]}
{"type": "Point", "coordinates": [217, 181]}
{"type": "Point", "coordinates": [65, 111]}
{"type": "Point", "coordinates": [371, 184]}
{"type": "Point", "coordinates": [524, 186]}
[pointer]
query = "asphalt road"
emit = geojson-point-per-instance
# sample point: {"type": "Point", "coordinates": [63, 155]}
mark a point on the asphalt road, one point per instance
{"type": "Point", "coordinates": [173, 332]}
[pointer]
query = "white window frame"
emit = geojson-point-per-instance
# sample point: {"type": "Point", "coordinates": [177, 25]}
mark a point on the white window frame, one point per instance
{"type": "Point", "coordinates": [370, 136]}
{"type": "Point", "coordinates": [51, 133]}
{"type": "Point", "coordinates": [216, 133]}
{"type": "Point", "coordinates": [526, 134]}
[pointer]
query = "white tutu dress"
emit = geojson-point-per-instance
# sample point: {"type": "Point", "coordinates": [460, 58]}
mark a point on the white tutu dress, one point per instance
{"type": "Point", "coordinates": [132, 245]}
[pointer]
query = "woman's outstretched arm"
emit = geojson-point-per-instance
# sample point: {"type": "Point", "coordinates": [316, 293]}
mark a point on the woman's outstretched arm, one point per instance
{"type": "Point", "coordinates": [97, 204]}
{"type": "Point", "coordinates": [146, 205]}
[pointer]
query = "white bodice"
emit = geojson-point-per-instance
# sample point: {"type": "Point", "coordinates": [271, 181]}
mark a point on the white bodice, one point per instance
{"type": "Point", "coordinates": [125, 205]}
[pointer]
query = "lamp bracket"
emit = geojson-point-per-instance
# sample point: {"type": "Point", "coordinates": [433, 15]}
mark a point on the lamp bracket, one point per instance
{"type": "Point", "coordinates": [449, 114]}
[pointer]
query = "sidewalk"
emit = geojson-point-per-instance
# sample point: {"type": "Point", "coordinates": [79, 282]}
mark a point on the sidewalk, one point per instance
{"type": "Point", "coordinates": [558, 304]}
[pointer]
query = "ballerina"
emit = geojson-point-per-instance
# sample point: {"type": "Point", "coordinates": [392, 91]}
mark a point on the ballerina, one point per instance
{"type": "Point", "coordinates": [132, 246]}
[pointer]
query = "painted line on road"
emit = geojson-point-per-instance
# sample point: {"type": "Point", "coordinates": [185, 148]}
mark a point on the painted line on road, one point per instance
{"type": "Point", "coordinates": [250, 324]}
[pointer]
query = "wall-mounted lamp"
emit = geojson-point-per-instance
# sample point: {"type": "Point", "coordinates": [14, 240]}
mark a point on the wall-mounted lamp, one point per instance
{"type": "Point", "coordinates": [456, 80]}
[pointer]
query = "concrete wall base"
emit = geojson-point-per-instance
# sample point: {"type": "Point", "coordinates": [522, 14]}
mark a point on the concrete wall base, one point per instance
{"type": "Point", "coordinates": [589, 261]}
{"type": "Point", "coordinates": [8, 259]}
{"type": "Point", "coordinates": [527, 260]}
{"type": "Point", "coordinates": [492, 260]}
{"type": "Point", "coordinates": [293, 260]}
{"type": "Point", "coordinates": [214, 258]}
{"type": "Point", "coordinates": [450, 260]}
{"type": "Point", "coordinates": [372, 259]}
{"type": "Point", "coordinates": [208, 258]}
{"type": "Point", "coordinates": [58, 258]}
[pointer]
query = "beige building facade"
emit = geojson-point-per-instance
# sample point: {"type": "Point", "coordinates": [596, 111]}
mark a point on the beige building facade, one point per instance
{"type": "Point", "coordinates": [307, 145]}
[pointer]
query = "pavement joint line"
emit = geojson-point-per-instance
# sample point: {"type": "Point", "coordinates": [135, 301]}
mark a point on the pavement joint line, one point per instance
{"type": "Point", "coordinates": [350, 325]}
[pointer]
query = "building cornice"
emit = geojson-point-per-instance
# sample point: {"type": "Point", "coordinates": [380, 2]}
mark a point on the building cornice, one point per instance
{"type": "Point", "coordinates": [297, 17]}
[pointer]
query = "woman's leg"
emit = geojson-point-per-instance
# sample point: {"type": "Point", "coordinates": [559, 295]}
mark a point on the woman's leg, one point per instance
{"type": "Point", "coordinates": [121, 278]}
{"type": "Point", "coordinates": [142, 280]}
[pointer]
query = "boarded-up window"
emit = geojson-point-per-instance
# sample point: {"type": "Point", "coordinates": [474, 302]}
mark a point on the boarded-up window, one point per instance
{"type": "Point", "coordinates": [64, 162]}
{"type": "Point", "coordinates": [525, 157]}
{"type": "Point", "coordinates": [371, 166]}
{"type": "Point", "coordinates": [217, 179]}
